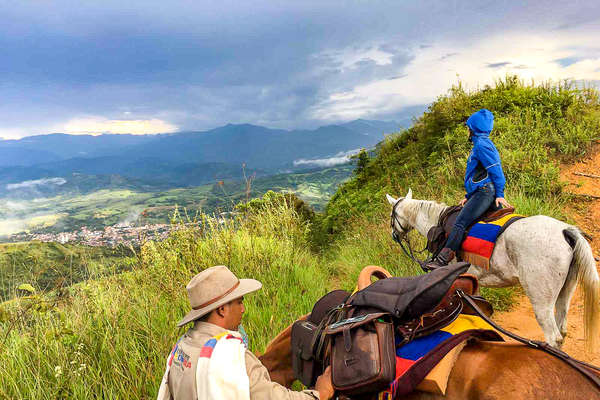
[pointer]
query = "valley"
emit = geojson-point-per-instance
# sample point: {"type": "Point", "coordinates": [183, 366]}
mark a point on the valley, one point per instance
{"type": "Point", "coordinates": [27, 219]}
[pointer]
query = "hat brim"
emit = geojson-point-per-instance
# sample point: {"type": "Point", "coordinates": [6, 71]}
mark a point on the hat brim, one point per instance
{"type": "Point", "coordinates": [245, 287]}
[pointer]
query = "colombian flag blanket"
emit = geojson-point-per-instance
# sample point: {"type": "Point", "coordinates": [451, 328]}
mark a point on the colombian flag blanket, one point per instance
{"type": "Point", "coordinates": [479, 244]}
{"type": "Point", "coordinates": [417, 358]}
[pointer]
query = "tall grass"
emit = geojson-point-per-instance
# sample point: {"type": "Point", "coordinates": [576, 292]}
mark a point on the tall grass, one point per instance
{"type": "Point", "coordinates": [51, 265]}
{"type": "Point", "coordinates": [109, 337]}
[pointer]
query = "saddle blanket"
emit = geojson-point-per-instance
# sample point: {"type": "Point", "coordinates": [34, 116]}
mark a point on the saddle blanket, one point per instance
{"type": "Point", "coordinates": [410, 355]}
{"type": "Point", "coordinates": [478, 246]}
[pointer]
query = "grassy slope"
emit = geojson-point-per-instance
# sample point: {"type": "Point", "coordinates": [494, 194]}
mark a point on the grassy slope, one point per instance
{"type": "Point", "coordinates": [536, 127]}
{"type": "Point", "coordinates": [47, 266]}
{"type": "Point", "coordinates": [109, 337]}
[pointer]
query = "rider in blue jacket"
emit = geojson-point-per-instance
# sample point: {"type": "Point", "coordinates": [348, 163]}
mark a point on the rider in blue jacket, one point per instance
{"type": "Point", "coordinates": [484, 183]}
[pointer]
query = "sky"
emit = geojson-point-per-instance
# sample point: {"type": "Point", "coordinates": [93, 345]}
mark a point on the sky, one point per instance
{"type": "Point", "coordinates": [148, 66]}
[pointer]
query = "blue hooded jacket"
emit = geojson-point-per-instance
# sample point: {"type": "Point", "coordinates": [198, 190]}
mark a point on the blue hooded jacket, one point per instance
{"type": "Point", "coordinates": [483, 165]}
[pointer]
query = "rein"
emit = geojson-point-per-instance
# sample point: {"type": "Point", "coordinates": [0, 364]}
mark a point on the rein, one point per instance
{"type": "Point", "coordinates": [404, 241]}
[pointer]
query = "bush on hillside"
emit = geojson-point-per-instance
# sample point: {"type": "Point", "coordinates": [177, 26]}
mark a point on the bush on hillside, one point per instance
{"type": "Point", "coordinates": [271, 198]}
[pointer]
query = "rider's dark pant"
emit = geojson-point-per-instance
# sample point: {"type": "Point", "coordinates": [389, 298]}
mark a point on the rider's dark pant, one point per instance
{"type": "Point", "coordinates": [478, 203]}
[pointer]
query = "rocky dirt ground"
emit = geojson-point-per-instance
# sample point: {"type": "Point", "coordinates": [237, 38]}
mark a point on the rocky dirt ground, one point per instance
{"type": "Point", "coordinates": [585, 210]}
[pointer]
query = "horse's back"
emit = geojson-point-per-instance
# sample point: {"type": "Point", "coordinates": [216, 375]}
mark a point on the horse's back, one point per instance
{"type": "Point", "coordinates": [537, 230]}
{"type": "Point", "coordinates": [494, 371]}
{"type": "Point", "coordinates": [530, 251]}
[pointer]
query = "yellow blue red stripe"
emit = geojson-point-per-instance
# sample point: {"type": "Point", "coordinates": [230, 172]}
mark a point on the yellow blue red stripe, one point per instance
{"type": "Point", "coordinates": [407, 355]}
{"type": "Point", "coordinates": [482, 236]}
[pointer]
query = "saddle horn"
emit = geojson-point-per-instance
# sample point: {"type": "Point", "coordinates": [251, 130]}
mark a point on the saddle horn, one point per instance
{"type": "Point", "coordinates": [364, 278]}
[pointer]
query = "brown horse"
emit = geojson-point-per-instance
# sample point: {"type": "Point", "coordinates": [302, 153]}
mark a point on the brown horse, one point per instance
{"type": "Point", "coordinates": [483, 370]}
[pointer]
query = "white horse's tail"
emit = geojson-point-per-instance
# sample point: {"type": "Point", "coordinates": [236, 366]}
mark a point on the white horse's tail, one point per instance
{"type": "Point", "coordinates": [587, 275]}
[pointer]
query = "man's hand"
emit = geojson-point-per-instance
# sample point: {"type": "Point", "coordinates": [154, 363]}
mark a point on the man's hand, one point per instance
{"type": "Point", "coordinates": [501, 200]}
{"type": "Point", "coordinates": [463, 202]}
{"type": "Point", "coordinates": [324, 385]}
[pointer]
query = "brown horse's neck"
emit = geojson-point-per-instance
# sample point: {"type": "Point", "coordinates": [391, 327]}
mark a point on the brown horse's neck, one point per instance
{"type": "Point", "coordinates": [277, 357]}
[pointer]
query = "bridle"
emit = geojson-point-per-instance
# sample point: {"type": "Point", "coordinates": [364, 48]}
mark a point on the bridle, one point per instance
{"type": "Point", "coordinates": [394, 219]}
{"type": "Point", "coordinates": [403, 240]}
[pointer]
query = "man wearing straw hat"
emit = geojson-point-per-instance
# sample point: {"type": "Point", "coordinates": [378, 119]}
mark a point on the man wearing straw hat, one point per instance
{"type": "Point", "coordinates": [210, 361]}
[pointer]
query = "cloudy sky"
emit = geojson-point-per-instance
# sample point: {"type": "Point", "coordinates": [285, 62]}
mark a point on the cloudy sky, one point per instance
{"type": "Point", "coordinates": [163, 66]}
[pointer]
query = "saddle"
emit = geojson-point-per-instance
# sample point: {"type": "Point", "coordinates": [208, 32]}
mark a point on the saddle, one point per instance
{"type": "Point", "coordinates": [405, 308]}
{"type": "Point", "coordinates": [334, 314]}
{"type": "Point", "coordinates": [437, 235]}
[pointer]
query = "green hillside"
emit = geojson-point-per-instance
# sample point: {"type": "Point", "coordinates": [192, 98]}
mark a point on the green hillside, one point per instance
{"type": "Point", "coordinates": [49, 266]}
{"type": "Point", "coordinates": [108, 337]}
{"type": "Point", "coordinates": [536, 128]}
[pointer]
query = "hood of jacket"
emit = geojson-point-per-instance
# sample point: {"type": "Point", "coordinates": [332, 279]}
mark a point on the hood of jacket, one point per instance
{"type": "Point", "coordinates": [481, 123]}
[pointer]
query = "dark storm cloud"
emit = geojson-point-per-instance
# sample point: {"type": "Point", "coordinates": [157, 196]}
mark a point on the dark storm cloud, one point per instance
{"type": "Point", "coordinates": [498, 64]}
{"type": "Point", "coordinates": [199, 64]}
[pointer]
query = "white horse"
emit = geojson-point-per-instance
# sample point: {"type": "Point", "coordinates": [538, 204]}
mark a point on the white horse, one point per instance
{"type": "Point", "coordinates": [534, 252]}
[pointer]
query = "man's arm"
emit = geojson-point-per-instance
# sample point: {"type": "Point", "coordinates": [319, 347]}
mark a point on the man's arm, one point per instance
{"type": "Point", "coordinates": [262, 388]}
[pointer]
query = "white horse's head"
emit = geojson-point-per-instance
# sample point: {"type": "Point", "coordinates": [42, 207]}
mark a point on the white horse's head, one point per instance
{"type": "Point", "coordinates": [399, 221]}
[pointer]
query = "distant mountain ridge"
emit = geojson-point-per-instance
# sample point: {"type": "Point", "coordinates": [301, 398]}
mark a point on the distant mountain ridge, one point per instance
{"type": "Point", "coordinates": [232, 142]}
{"type": "Point", "coordinates": [182, 158]}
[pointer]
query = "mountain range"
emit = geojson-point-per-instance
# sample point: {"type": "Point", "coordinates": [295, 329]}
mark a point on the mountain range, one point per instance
{"type": "Point", "coordinates": [178, 159]}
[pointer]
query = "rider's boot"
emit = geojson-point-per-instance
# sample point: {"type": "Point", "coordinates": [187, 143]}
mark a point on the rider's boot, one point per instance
{"type": "Point", "coordinates": [443, 258]}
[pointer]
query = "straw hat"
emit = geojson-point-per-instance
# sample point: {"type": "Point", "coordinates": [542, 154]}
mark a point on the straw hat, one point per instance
{"type": "Point", "coordinates": [212, 288]}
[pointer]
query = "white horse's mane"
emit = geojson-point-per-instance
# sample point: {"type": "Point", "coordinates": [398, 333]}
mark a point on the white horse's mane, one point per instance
{"type": "Point", "coordinates": [430, 208]}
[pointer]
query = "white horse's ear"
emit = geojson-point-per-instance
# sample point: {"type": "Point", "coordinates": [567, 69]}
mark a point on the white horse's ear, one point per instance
{"type": "Point", "coordinates": [391, 199]}
{"type": "Point", "coordinates": [409, 194]}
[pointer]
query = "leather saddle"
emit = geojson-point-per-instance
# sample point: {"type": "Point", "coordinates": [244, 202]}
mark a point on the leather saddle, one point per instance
{"type": "Point", "coordinates": [418, 306]}
{"type": "Point", "coordinates": [308, 337]}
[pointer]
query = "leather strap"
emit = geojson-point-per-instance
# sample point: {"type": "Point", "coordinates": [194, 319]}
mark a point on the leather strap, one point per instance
{"type": "Point", "coordinates": [347, 339]}
{"type": "Point", "coordinates": [582, 367]}
{"type": "Point", "coordinates": [208, 303]}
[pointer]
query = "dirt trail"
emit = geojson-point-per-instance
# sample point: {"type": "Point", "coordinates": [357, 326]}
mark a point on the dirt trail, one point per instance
{"type": "Point", "coordinates": [586, 213]}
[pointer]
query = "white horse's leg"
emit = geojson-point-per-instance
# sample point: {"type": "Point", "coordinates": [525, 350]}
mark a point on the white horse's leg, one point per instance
{"type": "Point", "coordinates": [563, 301]}
{"type": "Point", "coordinates": [544, 314]}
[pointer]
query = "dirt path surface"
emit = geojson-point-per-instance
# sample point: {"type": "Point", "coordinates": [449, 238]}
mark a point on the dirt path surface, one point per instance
{"type": "Point", "coordinates": [586, 212]}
